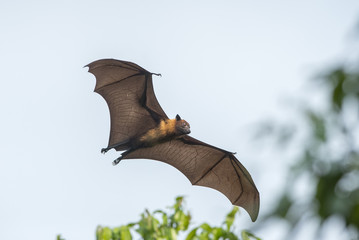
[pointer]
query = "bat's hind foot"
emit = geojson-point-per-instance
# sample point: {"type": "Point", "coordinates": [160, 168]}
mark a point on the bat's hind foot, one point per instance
{"type": "Point", "coordinates": [120, 144]}
{"type": "Point", "coordinates": [116, 161]}
{"type": "Point", "coordinates": [104, 150]}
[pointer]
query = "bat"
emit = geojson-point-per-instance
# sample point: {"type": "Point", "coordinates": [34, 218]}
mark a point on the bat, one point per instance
{"type": "Point", "coordinates": [141, 129]}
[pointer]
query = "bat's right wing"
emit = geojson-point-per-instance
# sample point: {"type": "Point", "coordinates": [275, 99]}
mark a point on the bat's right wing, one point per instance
{"type": "Point", "coordinates": [208, 166]}
{"type": "Point", "coordinates": [128, 91]}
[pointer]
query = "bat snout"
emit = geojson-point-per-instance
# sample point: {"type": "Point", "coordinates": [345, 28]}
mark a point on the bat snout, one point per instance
{"type": "Point", "coordinates": [187, 131]}
{"type": "Point", "coordinates": [184, 131]}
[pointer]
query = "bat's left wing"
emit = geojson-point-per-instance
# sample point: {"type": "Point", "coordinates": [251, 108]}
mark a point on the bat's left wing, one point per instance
{"type": "Point", "coordinates": [208, 166]}
{"type": "Point", "coordinates": [128, 91]}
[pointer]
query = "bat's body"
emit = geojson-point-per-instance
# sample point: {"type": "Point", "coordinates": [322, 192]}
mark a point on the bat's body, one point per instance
{"type": "Point", "coordinates": [141, 129]}
{"type": "Point", "coordinates": [166, 130]}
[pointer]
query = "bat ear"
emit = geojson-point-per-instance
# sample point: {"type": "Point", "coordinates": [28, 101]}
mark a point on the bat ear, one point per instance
{"type": "Point", "coordinates": [178, 117]}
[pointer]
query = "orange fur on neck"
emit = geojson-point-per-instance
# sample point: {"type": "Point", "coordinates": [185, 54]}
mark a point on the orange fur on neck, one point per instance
{"type": "Point", "coordinates": [166, 129]}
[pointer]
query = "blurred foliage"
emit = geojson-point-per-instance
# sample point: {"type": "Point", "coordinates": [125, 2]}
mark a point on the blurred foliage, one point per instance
{"type": "Point", "coordinates": [327, 139]}
{"type": "Point", "coordinates": [58, 237]}
{"type": "Point", "coordinates": [167, 226]}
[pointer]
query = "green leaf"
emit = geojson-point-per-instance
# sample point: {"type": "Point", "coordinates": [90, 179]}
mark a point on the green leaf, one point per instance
{"type": "Point", "coordinates": [206, 227]}
{"type": "Point", "coordinates": [325, 192]}
{"type": "Point", "coordinates": [103, 233]}
{"type": "Point", "coordinates": [218, 233]}
{"type": "Point", "coordinates": [353, 218]}
{"type": "Point", "coordinates": [318, 125]}
{"type": "Point", "coordinates": [231, 217]}
{"type": "Point", "coordinates": [178, 204]}
{"type": "Point", "coordinates": [58, 237]}
{"type": "Point", "coordinates": [192, 234]}
{"type": "Point", "coordinates": [164, 219]}
{"type": "Point", "coordinates": [338, 77]}
{"type": "Point", "coordinates": [125, 233]}
{"type": "Point", "coordinates": [283, 206]}
{"type": "Point", "coordinates": [173, 233]}
{"type": "Point", "coordinates": [248, 236]}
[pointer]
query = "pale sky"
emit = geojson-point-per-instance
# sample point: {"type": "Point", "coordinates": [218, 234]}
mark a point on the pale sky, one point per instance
{"type": "Point", "coordinates": [225, 65]}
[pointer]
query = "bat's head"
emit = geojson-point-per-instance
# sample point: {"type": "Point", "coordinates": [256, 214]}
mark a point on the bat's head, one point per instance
{"type": "Point", "coordinates": [182, 126]}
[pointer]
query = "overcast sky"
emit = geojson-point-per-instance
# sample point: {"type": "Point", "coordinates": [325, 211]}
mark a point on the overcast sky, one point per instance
{"type": "Point", "coordinates": [225, 65]}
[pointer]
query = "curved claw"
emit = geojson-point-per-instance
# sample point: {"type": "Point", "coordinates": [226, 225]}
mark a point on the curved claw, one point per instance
{"type": "Point", "coordinates": [157, 74]}
{"type": "Point", "coordinates": [104, 150]}
{"type": "Point", "coordinates": [116, 161]}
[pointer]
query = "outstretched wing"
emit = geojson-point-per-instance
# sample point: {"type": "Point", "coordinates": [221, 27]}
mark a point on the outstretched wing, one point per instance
{"type": "Point", "coordinates": [128, 91]}
{"type": "Point", "coordinates": [208, 166]}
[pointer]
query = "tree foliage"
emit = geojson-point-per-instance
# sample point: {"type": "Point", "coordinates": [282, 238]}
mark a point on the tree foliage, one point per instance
{"type": "Point", "coordinates": [328, 157]}
{"type": "Point", "coordinates": [162, 225]}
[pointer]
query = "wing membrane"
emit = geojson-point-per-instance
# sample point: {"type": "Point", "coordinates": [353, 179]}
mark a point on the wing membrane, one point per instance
{"type": "Point", "coordinates": [128, 91]}
{"type": "Point", "coordinates": [208, 166]}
